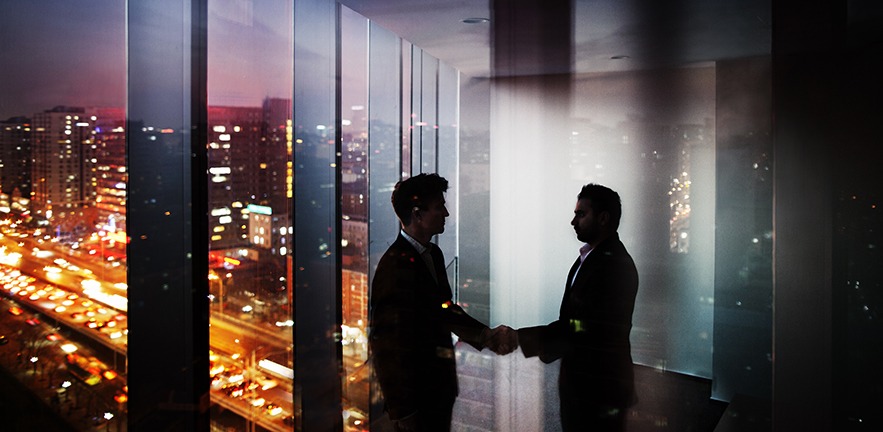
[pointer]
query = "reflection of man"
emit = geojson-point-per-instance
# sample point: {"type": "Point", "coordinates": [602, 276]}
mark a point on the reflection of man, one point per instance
{"type": "Point", "coordinates": [412, 315]}
{"type": "Point", "coordinates": [591, 335]}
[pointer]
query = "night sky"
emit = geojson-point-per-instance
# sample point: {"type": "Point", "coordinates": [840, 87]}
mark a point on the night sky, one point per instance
{"type": "Point", "coordinates": [61, 53]}
{"type": "Point", "coordinates": [74, 53]}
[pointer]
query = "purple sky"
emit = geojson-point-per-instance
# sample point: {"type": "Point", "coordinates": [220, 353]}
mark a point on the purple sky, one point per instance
{"type": "Point", "coordinates": [60, 53]}
{"type": "Point", "coordinates": [74, 53]}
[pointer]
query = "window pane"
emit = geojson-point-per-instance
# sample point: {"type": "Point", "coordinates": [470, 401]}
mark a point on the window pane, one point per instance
{"type": "Point", "coordinates": [317, 260]}
{"type": "Point", "coordinates": [447, 132]}
{"type": "Point", "coordinates": [408, 115]}
{"type": "Point", "coordinates": [425, 91]}
{"type": "Point", "coordinates": [169, 242]}
{"type": "Point", "coordinates": [354, 214]}
{"type": "Point", "coordinates": [249, 148]}
{"type": "Point", "coordinates": [63, 224]}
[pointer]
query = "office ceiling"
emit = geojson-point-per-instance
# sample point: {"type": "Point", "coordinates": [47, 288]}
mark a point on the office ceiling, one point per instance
{"type": "Point", "coordinates": [607, 35]}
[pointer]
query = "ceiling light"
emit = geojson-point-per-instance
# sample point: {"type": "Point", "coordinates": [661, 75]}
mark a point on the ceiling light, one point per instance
{"type": "Point", "coordinates": [476, 20]}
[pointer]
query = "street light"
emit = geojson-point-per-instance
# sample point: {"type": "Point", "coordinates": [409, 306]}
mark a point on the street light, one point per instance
{"type": "Point", "coordinates": [107, 417]}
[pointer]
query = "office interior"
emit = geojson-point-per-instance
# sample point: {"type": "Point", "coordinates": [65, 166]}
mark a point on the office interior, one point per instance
{"type": "Point", "coordinates": [742, 137]}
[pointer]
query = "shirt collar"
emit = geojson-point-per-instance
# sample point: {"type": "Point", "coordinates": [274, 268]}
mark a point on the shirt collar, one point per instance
{"type": "Point", "coordinates": [417, 245]}
{"type": "Point", "coordinates": [584, 251]}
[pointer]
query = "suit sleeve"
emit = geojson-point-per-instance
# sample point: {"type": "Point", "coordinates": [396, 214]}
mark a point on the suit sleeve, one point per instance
{"type": "Point", "coordinates": [468, 329]}
{"type": "Point", "coordinates": [549, 342]}
{"type": "Point", "coordinates": [596, 313]}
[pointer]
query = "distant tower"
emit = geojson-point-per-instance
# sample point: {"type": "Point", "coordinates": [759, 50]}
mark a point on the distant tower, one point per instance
{"type": "Point", "coordinates": [61, 166]}
{"type": "Point", "coordinates": [234, 133]}
{"type": "Point", "coordinates": [15, 156]}
{"type": "Point", "coordinates": [109, 176]}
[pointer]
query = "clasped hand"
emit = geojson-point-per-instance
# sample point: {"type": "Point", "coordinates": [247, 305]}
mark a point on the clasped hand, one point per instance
{"type": "Point", "coordinates": [501, 339]}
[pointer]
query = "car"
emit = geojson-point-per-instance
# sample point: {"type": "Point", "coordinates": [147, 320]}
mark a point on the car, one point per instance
{"type": "Point", "coordinates": [4, 340]}
{"type": "Point", "coordinates": [273, 409]}
{"type": "Point", "coordinates": [354, 421]}
{"type": "Point", "coordinates": [32, 321]}
{"type": "Point", "coordinates": [94, 323]}
{"type": "Point", "coordinates": [15, 310]}
{"type": "Point", "coordinates": [234, 390]}
{"type": "Point", "coordinates": [265, 382]}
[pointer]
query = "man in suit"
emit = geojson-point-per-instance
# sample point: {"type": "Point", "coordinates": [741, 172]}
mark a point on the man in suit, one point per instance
{"type": "Point", "coordinates": [412, 315]}
{"type": "Point", "coordinates": [591, 335]}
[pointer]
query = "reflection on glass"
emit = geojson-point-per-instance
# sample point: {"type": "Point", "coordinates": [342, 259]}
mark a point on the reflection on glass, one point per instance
{"type": "Point", "coordinates": [249, 179]}
{"type": "Point", "coordinates": [408, 118]}
{"type": "Point", "coordinates": [63, 178]}
{"type": "Point", "coordinates": [354, 214]}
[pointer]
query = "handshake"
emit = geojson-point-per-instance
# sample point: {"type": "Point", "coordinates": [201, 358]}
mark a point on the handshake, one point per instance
{"type": "Point", "coordinates": [501, 339]}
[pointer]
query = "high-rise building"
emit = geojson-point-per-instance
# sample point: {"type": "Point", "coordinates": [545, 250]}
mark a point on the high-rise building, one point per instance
{"type": "Point", "coordinates": [62, 162]}
{"type": "Point", "coordinates": [234, 161]}
{"type": "Point", "coordinates": [250, 192]}
{"type": "Point", "coordinates": [109, 176]}
{"type": "Point", "coordinates": [277, 176]}
{"type": "Point", "coordinates": [249, 154]}
{"type": "Point", "coordinates": [15, 157]}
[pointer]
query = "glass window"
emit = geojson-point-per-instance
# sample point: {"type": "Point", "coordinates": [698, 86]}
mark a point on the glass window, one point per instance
{"type": "Point", "coordinates": [63, 212]}
{"type": "Point", "coordinates": [249, 149]}
{"type": "Point", "coordinates": [355, 148]}
{"type": "Point", "coordinates": [217, 173]}
{"type": "Point", "coordinates": [317, 223]}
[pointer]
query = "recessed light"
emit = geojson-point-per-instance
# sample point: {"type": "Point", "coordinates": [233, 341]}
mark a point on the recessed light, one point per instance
{"type": "Point", "coordinates": [476, 20]}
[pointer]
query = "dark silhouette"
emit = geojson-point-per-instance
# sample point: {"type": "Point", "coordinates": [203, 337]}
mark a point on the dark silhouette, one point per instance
{"type": "Point", "coordinates": [412, 315]}
{"type": "Point", "coordinates": [591, 335]}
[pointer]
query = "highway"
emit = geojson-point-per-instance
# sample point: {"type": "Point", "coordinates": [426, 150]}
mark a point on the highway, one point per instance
{"type": "Point", "coordinates": [74, 296]}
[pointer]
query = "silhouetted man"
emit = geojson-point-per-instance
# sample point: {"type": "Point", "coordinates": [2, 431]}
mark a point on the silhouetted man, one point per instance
{"type": "Point", "coordinates": [591, 335]}
{"type": "Point", "coordinates": [412, 315]}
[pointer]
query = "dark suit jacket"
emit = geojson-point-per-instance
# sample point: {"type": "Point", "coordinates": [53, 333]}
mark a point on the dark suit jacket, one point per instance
{"type": "Point", "coordinates": [591, 335]}
{"type": "Point", "coordinates": [410, 324]}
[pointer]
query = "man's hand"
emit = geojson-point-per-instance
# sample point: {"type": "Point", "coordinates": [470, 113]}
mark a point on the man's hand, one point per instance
{"type": "Point", "coordinates": [501, 340]}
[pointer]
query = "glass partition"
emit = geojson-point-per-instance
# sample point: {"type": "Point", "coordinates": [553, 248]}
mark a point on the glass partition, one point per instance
{"type": "Point", "coordinates": [249, 150]}
{"type": "Point", "coordinates": [167, 226]}
{"type": "Point", "coordinates": [63, 218]}
{"type": "Point", "coordinates": [355, 150]}
{"type": "Point", "coordinates": [317, 266]}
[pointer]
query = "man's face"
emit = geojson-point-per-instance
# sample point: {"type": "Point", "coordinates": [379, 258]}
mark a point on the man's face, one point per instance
{"type": "Point", "coordinates": [432, 217]}
{"type": "Point", "coordinates": [585, 222]}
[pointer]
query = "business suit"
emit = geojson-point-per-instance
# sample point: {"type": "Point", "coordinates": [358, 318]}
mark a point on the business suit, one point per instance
{"type": "Point", "coordinates": [591, 336]}
{"type": "Point", "coordinates": [411, 320]}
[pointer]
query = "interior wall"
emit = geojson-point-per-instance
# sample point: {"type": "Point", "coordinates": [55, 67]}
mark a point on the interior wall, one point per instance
{"type": "Point", "coordinates": [647, 135]}
{"type": "Point", "coordinates": [656, 148]}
